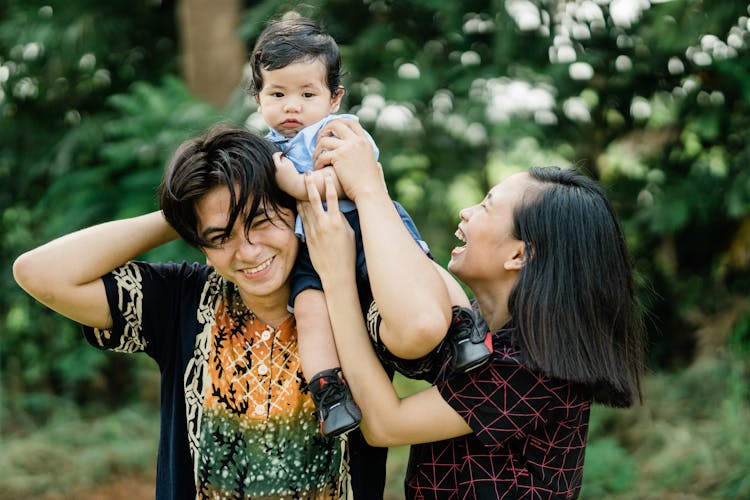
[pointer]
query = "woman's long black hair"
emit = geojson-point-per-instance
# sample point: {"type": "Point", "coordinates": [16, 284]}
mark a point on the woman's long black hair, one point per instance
{"type": "Point", "coordinates": [574, 307]}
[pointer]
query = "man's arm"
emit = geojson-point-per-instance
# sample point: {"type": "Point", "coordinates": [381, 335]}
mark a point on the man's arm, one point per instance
{"type": "Point", "coordinates": [65, 274]}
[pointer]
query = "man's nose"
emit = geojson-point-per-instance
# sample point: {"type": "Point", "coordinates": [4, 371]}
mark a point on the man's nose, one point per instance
{"type": "Point", "coordinates": [246, 248]}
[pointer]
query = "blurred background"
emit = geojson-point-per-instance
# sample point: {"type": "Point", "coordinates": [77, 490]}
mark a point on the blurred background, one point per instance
{"type": "Point", "coordinates": [650, 97]}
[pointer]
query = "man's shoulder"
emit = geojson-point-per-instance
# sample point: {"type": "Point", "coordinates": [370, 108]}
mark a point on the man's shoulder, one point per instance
{"type": "Point", "coordinates": [160, 279]}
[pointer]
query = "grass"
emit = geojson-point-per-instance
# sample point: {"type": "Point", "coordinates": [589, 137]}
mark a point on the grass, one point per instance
{"type": "Point", "coordinates": [72, 453]}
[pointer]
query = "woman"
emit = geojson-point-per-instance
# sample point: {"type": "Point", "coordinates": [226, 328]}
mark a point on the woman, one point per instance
{"type": "Point", "coordinates": [546, 261]}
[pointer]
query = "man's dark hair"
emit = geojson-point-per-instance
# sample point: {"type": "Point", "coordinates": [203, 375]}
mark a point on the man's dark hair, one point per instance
{"type": "Point", "coordinates": [291, 39]}
{"type": "Point", "coordinates": [574, 305]}
{"type": "Point", "coordinates": [224, 157]}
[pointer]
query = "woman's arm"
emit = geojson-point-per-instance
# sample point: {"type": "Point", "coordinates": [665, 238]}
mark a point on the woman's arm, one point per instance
{"type": "Point", "coordinates": [414, 296]}
{"type": "Point", "coordinates": [65, 274]}
{"type": "Point", "coordinates": [387, 420]}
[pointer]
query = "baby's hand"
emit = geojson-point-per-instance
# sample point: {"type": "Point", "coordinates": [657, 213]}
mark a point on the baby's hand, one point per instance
{"type": "Point", "coordinates": [292, 182]}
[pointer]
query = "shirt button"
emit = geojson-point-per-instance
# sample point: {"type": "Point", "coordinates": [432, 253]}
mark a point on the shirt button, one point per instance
{"type": "Point", "coordinates": [265, 335]}
{"type": "Point", "coordinates": [262, 369]}
{"type": "Point", "coordinates": [260, 409]}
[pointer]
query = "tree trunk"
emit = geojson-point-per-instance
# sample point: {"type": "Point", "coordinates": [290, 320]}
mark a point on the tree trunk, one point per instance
{"type": "Point", "coordinates": [212, 54]}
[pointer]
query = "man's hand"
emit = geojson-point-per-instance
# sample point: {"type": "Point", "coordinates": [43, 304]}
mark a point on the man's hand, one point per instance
{"type": "Point", "coordinates": [330, 238]}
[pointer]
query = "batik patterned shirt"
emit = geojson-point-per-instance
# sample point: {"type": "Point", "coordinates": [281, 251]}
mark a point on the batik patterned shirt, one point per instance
{"type": "Point", "coordinates": [528, 440]}
{"type": "Point", "coordinates": [236, 420]}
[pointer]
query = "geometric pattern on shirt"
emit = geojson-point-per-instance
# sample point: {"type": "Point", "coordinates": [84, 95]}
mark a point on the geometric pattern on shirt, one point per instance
{"type": "Point", "coordinates": [529, 434]}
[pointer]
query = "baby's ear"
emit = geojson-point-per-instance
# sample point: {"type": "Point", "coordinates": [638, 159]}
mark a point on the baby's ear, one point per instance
{"type": "Point", "coordinates": [336, 99]}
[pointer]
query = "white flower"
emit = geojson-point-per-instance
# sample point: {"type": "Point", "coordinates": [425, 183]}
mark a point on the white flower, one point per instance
{"type": "Point", "coordinates": [398, 117]}
{"type": "Point", "coordinates": [581, 71]}
{"type": "Point", "coordinates": [640, 108]}
{"type": "Point", "coordinates": [576, 110]}
{"type": "Point", "coordinates": [408, 71]}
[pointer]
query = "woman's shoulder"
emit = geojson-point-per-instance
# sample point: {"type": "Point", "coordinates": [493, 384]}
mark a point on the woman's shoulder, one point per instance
{"type": "Point", "coordinates": [504, 345]}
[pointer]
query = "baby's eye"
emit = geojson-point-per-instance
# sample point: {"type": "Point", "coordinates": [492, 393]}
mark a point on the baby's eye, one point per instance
{"type": "Point", "coordinates": [308, 94]}
{"type": "Point", "coordinates": [277, 94]}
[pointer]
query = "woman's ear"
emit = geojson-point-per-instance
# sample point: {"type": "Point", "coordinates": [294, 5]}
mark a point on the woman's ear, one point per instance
{"type": "Point", "coordinates": [518, 259]}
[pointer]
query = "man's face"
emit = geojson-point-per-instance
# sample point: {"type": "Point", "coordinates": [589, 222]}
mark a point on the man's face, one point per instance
{"type": "Point", "coordinates": [258, 262]}
{"type": "Point", "coordinates": [296, 96]}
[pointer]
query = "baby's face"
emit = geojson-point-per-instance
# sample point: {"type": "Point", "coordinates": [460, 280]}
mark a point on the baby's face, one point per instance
{"type": "Point", "coordinates": [296, 96]}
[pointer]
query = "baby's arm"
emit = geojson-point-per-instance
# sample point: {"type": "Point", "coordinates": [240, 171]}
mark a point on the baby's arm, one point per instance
{"type": "Point", "coordinates": [288, 179]}
{"type": "Point", "coordinates": [293, 182]}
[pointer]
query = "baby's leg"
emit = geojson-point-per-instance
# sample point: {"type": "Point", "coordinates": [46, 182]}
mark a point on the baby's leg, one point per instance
{"type": "Point", "coordinates": [315, 335]}
{"type": "Point", "coordinates": [338, 413]}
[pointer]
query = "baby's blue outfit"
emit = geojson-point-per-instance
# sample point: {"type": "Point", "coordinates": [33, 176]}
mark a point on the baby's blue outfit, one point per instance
{"type": "Point", "coordinates": [299, 149]}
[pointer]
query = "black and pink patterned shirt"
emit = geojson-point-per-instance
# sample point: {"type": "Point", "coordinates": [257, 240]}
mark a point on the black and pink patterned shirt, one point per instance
{"type": "Point", "coordinates": [529, 434]}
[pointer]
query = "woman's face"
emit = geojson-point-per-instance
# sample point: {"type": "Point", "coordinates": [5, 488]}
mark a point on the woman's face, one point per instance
{"type": "Point", "coordinates": [490, 254]}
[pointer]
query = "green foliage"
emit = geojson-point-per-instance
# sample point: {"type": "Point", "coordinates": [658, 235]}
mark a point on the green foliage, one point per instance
{"type": "Point", "coordinates": [81, 154]}
{"type": "Point", "coordinates": [609, 469]}
{"type": "Point", "coordinates": [111, 170]}
{"type": "Point", "coordinates": [121, 159]}
{"type": "Point", "coordinates": [688, 438]}
{"type": "Point", "coordinates": [457, 95]}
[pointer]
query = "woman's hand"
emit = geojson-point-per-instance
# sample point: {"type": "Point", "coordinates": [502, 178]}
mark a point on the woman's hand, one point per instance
{"type": "Point", "coordinates": [330, 239]}
{"type": "Point", "coordinates": [344, 145]}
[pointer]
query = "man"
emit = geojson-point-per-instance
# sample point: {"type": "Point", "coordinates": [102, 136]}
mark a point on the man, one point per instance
{"type": "Point", "coordinates": [236, 419]}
